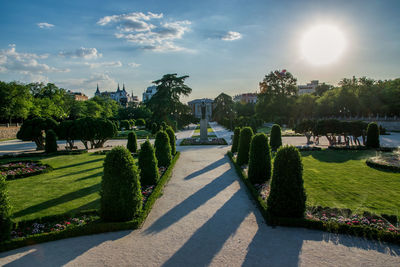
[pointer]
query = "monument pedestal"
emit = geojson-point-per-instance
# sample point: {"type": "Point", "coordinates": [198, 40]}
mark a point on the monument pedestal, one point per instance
{"type": "Point", "coordinates": [203, 130]}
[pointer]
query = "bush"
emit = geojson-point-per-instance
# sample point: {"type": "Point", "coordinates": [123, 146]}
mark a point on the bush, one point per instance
{"type": "Point", "coordinates": [235, 141]}
{"type": "Point", "coordinates": [276, 137]}
{"type": "Point", "coordinates": [67, 131]}
{"type": "Point", "coordinates": [373, 135]}
{"type": "Point", "coordinates": [260, 159]}
{"type": "Point", "coordinates": [287, 197]}
{"type": "Point", "coordinates": [121, 196]}
{"type": "Point", "coordinates": [171, 136]}
{"type": "Point", "coordinates": [132, 142]}
{"type": "Point", "coordinates": [32, 130]}
{"type": "Point", "coordinates": [154, 128]}
{"type": "Point", "coordinates": [140, 122]}
{"type": "Point", "coordinates": [5, 221]}
{"type": "Point", "coordinates": [163, 126]}
{"type": "Point", "coordinates": [148, 164]}
{"type": "Point", "coordinates": [163, 149]}
{"type": "Point", "coordinates": [124, 124]}
{"type": "Point", "coordinates": [244, 145]}
{"type": "Point", "coordinates": [51, 142]}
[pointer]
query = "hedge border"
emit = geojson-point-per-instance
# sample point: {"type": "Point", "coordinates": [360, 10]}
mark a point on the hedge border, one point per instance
{"type": "Point", "coordinates": [332, 227]}
{"type": "Point", "coordinates": [43, 154]}
{"type": "Point", "coordinates": [93, 228]}
{"type": "Point", "coordinates": [385, 167]}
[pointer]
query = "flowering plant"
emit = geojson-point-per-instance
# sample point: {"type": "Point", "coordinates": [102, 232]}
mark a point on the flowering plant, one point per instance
{"type": "Point", "coordinates": [20, 169]}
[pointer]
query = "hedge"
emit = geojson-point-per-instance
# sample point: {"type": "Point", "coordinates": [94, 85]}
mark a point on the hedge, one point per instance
{"type": "Point", "coordinates": [275, 140]}
{"type": "Point", "coordinates": [5, 210]}
{"type": "Point", "coordinates": [172, 141]}
{"type": "Point", "coordinates": [235, 141]}
{"type": "Point", "coordinates": [373, 135]}
{"type": "Point", "coordinates": [132, 142]}
{"type": "Point", "coordinates": [246, 134]}
{"type": "Point", "coordinates": [148, 164]}
{"type": "Point", "coordinates": [260, 159]}
{"type": "Point", "coordinates": [163, 149]}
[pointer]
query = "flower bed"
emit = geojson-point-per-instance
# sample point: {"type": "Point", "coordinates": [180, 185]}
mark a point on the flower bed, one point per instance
{"type": "Point", "coordinates": [387, 161]}
{"type": "Point", "coordinates": [197, 142]}
{"type": "Point", "coordinates": [14, 170]}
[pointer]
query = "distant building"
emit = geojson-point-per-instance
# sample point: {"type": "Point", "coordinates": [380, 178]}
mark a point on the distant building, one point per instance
{"type": "Point", "coordinates": [309, 88]}
{"type": "Point", "coordinates": [78, 96]}
{"type": "Point", "coordinates": [246, 98]}
{"type": "Point", "coordinates": [121, 96]}
{"type": "Point", "coordinates": [150, 91]}
{"type": "Point", "coordinates": [195, 105]}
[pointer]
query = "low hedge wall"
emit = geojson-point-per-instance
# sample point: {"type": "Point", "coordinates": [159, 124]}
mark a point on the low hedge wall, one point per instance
{"type": "Point", "coordinates": [91, 228]}
{"type": "Point", "coordinates": [332, 227]}
{"type": "Point", "coordinates": [386, 167]}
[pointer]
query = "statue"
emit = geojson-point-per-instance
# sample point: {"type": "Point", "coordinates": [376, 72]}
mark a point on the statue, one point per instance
{"type": "Point", "coordinates": [203, 110]}
{"type": "Point", "coordinates": [203, 123]}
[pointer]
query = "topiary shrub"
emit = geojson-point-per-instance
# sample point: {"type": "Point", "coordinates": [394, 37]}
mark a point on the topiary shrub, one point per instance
{"type": "Point", "coordinates": [171, 136]}
{"type": "Point", "coordinates": [163, 149]}
{"type": "Point", "coordinates": [373, 135]}
{"type": "Point", "coordinates": [259, 159]}
{"type": "Point", "coordinates": [51, 142]}
{"type": "Point", "coordinates": [132, 142]}
{"type": "Point", "coordinates": [33, 129]}
{"type": "Point", "coordinates": [148, 164]}
{"type": "Point", "coordinates": [5, 220]}
{"type": "Point", "coordinates": [163, 126]}
{"type": "Point", "coordinates": [287, 197]}
{"type": "Point", "coordinates": [235, 141]}
{"type": "Point", "coordinates": [276, 137]}
{"type": "Point", "coordinates": [121, 196]}
{"type": "Point", "coordinates": [154, 128]}
{"type": "Point", "coordinates": [244, 145]}
{"type": "Point", "coordinates": [140, 122]}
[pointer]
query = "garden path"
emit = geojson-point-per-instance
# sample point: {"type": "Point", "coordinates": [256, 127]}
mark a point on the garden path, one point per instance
{"type": "Point", "coordinates": [206, 217]}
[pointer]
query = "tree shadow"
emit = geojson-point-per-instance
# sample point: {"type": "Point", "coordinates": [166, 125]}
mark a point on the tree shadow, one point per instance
{"type": "Point", "coordinates": [78, 172]}
{"type": "Point", "coordinates": [208, 168]}
{"type": "Point", "coordinates": [92, 205]}
{"type": "Point", "coordinates": [79, 164]}
{"type": "Point", "coordinates": [90, 176]}
{"type": "Point", "coordinates": [191, 203]}
{"type": "Point", "coordinates": [332, 156]}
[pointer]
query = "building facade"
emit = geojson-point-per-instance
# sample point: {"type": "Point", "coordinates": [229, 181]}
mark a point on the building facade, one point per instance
{"type": "Point", "coordinates": [309, 88]}
{"type": "Point", "coordinates": [121, 96]}
{"type": "Point", "coordinates": [78, 96]}
{"type": "Point", "coordinates": [246, 98]}
{"type": "Point", "coordinates": [195, 105]}
{"type": "Point", "coordinates": [149, 92]}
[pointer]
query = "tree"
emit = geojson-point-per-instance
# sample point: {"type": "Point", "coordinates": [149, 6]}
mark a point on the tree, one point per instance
{"type": "Point", "coordinates": [246, 134]}
{"type": "Point", "coordinates": [51, 142]}
{"type": "Point", "coordinates": [259, 159]}
{"type": "Point", "coordinates": [223, 111]}
{"type": "Point", "coordinates": [15, 101]}
{"type": "Point", "coordinates": [121, 196]}
{"type": "Point", "coordinates": [132, 142]}
{"type": "Point", "coordinates": [68, 131]}
{"type": "Point", "coordinates": [373, 135]}
{"type": "Point", "coordinates": [163, 149]}
{"type": "Point", "coordinates": [276, 137]}
{"type": "Point", "coordinates": [172, 139]}
{"type": "Point", "coordinates": [235, 141]}
{"type": "Point", "coordinates": [32, 130]}
{"type": "Point", "coordinates": [5, 211]}
{"type": "Point", "coordinates": [306, 127]}
{"type": "Point", "coordinates": [95, 131]}
{"type": "Point", "coordinates": [148, 164]}
{"type": "Point", "coordinates": [322, 88]}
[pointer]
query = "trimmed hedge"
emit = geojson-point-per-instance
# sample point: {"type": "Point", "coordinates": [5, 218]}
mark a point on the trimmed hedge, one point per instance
{"type": "Point", "coordinates": [276, 137]}
{"type": "Point", "coordinates": [5, 211]}
{"type": "Point", "coordinates": [51, 142]}
{"type": "Point", "coordinates": [148, 164]}
{"type": "Point", "coordinates": [121, 196]}
{"type": "Point", "coordinates": [172, 141]}
{"type": "Point", "coordinates": [246, 134]}
{"type": "Point", "coordinates": [235, 141]}
{"type": "Point", "coordinates": [373, 135]}
{"type": "Point", "coordinates": [260, 159]}
{"type": "Point", "coordinates": [163, 149]}
{"type": "Point", "coordinates": [375, 165]}
{"type": "Point", "coordinates": [132, 142]}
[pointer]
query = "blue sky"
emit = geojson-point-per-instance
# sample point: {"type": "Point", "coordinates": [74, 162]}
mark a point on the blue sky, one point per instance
{"type": "Point", "coordinates": [224, 46]}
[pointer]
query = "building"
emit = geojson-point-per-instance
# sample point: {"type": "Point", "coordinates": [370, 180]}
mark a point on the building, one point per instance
{"type": "Point", "coordinates": [309, 88]}
{"type": "Point", "coordinates": [246, 98]}
{"type": "Point", "coordinates": [78, 96]}
{"type": "Point", "coordinates": [195, 105]}
{"type": "Point", "coordinates": [150, 91]}
{"type": "Point", "coordinates": [121, 96]}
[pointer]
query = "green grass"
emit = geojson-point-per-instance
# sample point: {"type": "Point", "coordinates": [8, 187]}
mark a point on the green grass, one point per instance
{"type": "Point", "coordinates": [210, 132]}
{"type": "Point", "coordinates": [341, 179]}
{"type": "Point", "coordinates": [141, 134]}
{"type": "Point", "coordinates": [73, 185]}
{"type": "Point", "coordinates": [8, 139]}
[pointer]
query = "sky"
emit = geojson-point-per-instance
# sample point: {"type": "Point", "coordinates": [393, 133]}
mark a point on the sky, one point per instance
{"type": "Point", "coordinates": [224, 46]}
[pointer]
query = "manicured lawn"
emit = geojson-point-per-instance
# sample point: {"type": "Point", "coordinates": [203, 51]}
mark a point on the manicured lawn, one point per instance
{"type": "Point", "coordinates": [210, 132]}
{"type": "Point", "coordinates": [341, 179]}
{"type": "Point", "coordinates": [141, 134]}
{"type": "Point", "coordinates": [72, 185]}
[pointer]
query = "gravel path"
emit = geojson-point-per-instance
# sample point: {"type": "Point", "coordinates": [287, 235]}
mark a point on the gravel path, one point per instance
{"type": "Point", "coordinates": [206, 217]}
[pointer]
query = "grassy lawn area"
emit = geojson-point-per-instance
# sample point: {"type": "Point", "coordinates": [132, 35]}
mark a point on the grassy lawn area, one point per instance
{"type": "Point", "coordinates": [72, 185]}
{"type": "Point", "coordinates": [341, 179]}
{"type": "Point", "coordinates": [210, 132]}
{"type": "Point", "coordinates": [141, 134]}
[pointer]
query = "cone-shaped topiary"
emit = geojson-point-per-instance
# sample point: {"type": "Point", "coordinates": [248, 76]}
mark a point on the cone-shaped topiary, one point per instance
{"type": "Point", "coordinates": [373, 135]}
{"type": "Point", "coordinates": [287, 197]}
{"type": "Point", "coordinates": [51, 142]}
{"type": "Point", "coordinates": [154, 128]}
{"type": "Point", "coordinates": [171, 136]}
{"type": "Point", "coordinates": [5, 221]}
{"type": "Point", "coordinates": [163, 149]}
{"type": "Point", "coordinates": [132, 142]}
{"type": "Point", "coordinates": [235, 141]}
{"type": "Point", "coordinates": [164, 126]}
{"type": "Point", "coordinates": [121, 196]}
{"type": "Point", "coordinates": [275, 140]}
{"type": "Point", "coordinates": [148, 164]}
{"type": "Point", "coordinates": [260, 159]}
{"type": "Point", "coordinates": [246, 134]}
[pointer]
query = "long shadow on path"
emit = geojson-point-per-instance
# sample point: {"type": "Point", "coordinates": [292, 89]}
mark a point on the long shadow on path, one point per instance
{"type": "Point", "coordinates": [208, 168]}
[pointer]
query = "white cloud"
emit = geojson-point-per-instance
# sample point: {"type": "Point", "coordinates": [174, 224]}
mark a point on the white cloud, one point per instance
{"type": "Point", "coordinates": [104, 64]}
{"type": "Point", "coordinates": [25, 63]}
{"type": "Point", "coordinates": [133, 65]}
{"type": "Point", "coordinates": [103, 79]}
{"type": "Point", "coordinates": [86, 53]}
{"type": "Point", "coordinates": [45, 25]}
{"type": "Point", "coordinates": [147, 30]}
{"type": "Point", "coordinates": [231, 36]}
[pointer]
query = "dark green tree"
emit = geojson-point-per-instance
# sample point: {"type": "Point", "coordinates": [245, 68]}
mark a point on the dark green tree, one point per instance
{"type": "Point", "coordinates": [33, 130]}
{"type": "Point", "coordinates": [276, 137]}
{"type": "Point", "coordinates": [148, 164]}
{"type": "Point", "coordinates": [163, 149]}
{"type": "Point", "coordinates": [132, 142]}
{"type": "Point", "coordinates": [51, 142]}
{"type": "Point", "coordinates": [373, 135]}
{"type": "Point", "coordinates": [172, 139]}
{"type": "Point", "coordinates": [246, 134]}
{"type": "Point", "coordinates": [67, 131]}
{"type": "Point", "coordinates": [235, 141]}
{"type": "Point", "coordinates": [223, 111]}
{"type": "Point", "coordinates": [260, 159]}
{"type": "Point", "coordinates": [5, 211]}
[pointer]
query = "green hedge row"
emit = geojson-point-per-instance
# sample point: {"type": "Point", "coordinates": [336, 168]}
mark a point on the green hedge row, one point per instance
{"type": "Point", "coordinates": [332, 227]}
{"type": "Point", "coordinates": [94, 228]}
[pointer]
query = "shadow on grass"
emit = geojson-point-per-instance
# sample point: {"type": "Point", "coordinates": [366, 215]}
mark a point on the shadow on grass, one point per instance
{"type": "Point", "coordinates": [78, 172]}
{"type": "Point", "coordinates": [57, 201]}
{"type": "Point", "coordinates": [339, 156]}
{"type": "Point", "coordinates": [89, 176]}
{"type": "Point", "coordinates": [79, 164]}
{"type": "Point", "coordinates": [92, 205]}
{"type": "Point", "coordinates": [210, 167]}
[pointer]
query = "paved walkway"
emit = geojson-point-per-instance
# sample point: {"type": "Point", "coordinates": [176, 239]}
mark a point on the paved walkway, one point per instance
{"type": "Point", "coordinates": [206, 218]}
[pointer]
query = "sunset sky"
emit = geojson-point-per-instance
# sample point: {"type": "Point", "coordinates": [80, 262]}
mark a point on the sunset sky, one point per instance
{"type": "Point", "coordinates": [224, 46]}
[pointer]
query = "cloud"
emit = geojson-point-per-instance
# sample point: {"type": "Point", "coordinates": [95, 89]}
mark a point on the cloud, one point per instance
{"type": "Point", "coordinates": [86, 53]}
{"type": "Point", "coordinates": [44, 25]}
{"type": "Point", "coordinates": [231, 36]}
{"type": "Point", "coordinates": [147, 31]}
{"type": "Point", "coordinates": [25, 63]}
{"type": "Point", "coordinates": [103, 79]}
{"type": "Point", "coordinates": [104, 64]}
{"type": "Point", "coordinates": [133, 65]}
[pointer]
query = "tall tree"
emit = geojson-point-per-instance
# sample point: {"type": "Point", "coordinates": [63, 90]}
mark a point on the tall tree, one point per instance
{"type": "Point", "coordinates": [223, 111]}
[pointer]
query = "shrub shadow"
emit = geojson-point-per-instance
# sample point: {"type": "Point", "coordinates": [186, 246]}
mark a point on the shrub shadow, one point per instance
{"type": "Point", "coordinates": [79, 164]}
{"type": "Point", "coordinates": [338, 156]}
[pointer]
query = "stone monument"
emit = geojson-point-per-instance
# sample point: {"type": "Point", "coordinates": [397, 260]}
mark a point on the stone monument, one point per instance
{"type": "Point", "coordinates": [203, 123]}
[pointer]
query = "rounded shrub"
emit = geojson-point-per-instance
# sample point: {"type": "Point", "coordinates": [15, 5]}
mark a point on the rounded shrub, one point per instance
{"type": "Point", "coordinates": [287, 197]}
{"type": "Point", "coordinates": [164, 125]}
{"type": "Point", "coordinates": [171, 136]}
{"type": "Point", "coordinates": [373, 135]}
{"type": "Point", "coordinates": [235, 141]}
{"type": "Point", "coordinates": [163, 149]}
{"type": "Point", "coordinates": [259, 159]}
{"type": "Point", "coordinates": [132, 142]}
{"type": "Point", "coordinates": [244, 145]}
{"type": "Point", "coordinates": [5, 211]}
{"type": "Point", "coordinates": [51, 142]}
{"type": "Point", "coordinates": [121, 196]}
{"type": "Point", "coordinates": [140, 122]}
{"type": "Point", "coordinates": [276, 137]}
{"type": "Point", "coordinates": [148, 164]}
{"type": "Point", "coordinates": [154, 128]}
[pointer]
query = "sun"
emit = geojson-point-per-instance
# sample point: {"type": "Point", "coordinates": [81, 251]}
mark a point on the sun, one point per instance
{"type": "Point", "coordinates": [323, 44]}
